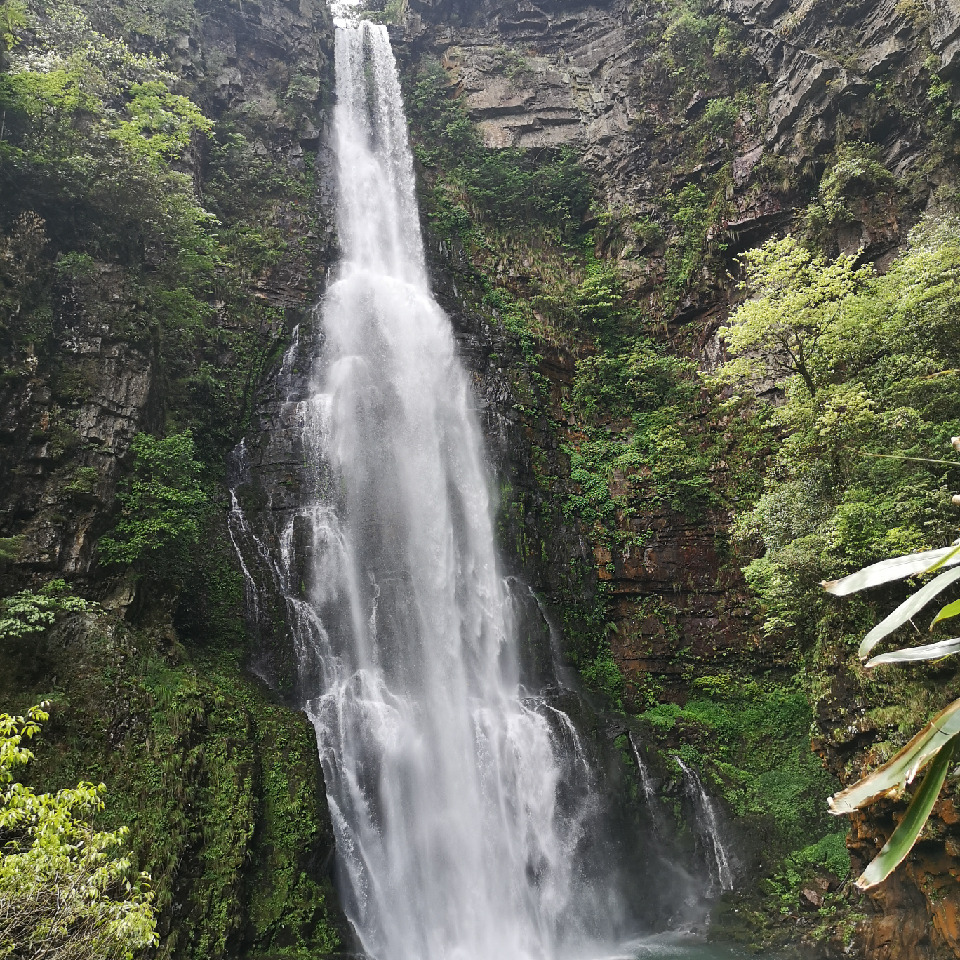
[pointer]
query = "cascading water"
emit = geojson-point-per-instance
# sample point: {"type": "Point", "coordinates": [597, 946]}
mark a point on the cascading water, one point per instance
{"type": "Point", "coordinates": [461, 802]}
{"type": "Point", "coordinates": [707, 825]}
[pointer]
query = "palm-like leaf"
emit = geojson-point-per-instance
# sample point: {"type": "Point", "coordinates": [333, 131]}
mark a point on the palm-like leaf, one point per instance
{"type": "Point", "coordinates": [896, 568]}
{"type": "Point", "coordinates": [950, 610]}
{"type": "Point", "coordinates": [904, 837]}
{"type": "Point", "coordinates": [890, 779]}
{"type": "Point", "coordinates": [909, 608]}
{"type": "Point", "coordinates": [929, 651]}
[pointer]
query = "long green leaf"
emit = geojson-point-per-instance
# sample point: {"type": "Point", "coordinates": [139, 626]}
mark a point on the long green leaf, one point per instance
{"type": "Point", "coordinates": [904, 837]}
{"type": "Point", "coordinates": [929, 651]}
{"type": "Point", "coordinates": [896, 568]}
{"type": "Point", "coordinates": [950, 610]}
{"type": "Point", "coordinates": [912, 605]}
{"type": "Point", "coordinates": [890, 779]}
{"type": "Point", "coordinates": [946, 561]}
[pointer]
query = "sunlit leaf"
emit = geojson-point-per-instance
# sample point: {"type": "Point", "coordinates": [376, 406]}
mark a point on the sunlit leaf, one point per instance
{"type": "Point", "coordinates": [946, 561]}
{"type": "Point", "coordinates": [890, 779]}
{"type": "Point", "coordinates": [896, 568]}
{"type": "Point", "coordinates": [904, 837]}
{"type": "Point", "coordinates": [950, 610]}
{"type": "Point", "coordinates": [929, 651]}
{"type": "Point", "coordinates": [911, 606]}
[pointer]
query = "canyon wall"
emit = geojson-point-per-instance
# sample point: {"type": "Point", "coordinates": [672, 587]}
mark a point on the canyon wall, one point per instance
{"type": "Point", "coordinates": [704, 130]}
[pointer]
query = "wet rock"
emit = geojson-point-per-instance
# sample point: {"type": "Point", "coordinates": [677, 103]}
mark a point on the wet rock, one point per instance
{"type": "Point", "coordinates": [945, 31]}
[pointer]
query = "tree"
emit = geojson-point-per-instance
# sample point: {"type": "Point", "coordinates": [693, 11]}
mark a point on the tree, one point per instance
{"type": "Point", "coordinates": [793, 320]}
{"type": "Point", "coordinates": [29, 612]}
{"type": "Point", "coordinates": [161, 506]}
{"type": "Point", "coordinates": [857, 474]}
{"type": "Point", "coordinates": [67, 891]}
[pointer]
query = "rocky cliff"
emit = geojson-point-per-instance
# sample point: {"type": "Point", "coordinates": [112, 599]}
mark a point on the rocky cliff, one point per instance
{"type": "Point", "coordinates": [590, 173]}
{"type": "Point", "coordinates": [146, 287]}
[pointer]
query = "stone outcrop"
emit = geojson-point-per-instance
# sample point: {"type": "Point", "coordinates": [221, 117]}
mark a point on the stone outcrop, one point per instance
{"type": "Point", "coordinates": [536, 75]}
{"type": "Point", "coordinates": [72, 402]}
{"type": "Point", "coordinates": [945, 31]}
{"type": "Point", "coordinates": [543, 74]}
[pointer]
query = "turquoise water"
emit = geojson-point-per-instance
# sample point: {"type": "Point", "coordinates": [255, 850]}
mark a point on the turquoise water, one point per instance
{"type": "Point", "coordinates": [675, 946]}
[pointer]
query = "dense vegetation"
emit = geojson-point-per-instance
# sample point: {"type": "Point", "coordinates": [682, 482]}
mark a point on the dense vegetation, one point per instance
{"type": "Point", "coordinates": [100, 162]}
{"type": "Point", "coordinates": [66, 890]}
{"type": "Point", "coordinates": [867, 367]}
{"type": "Point", "coordinates": [139, 206]}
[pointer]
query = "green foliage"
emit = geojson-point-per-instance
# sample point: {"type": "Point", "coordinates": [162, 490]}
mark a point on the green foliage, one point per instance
{"type": "Point", "coordinates": [719, 116]}
{"type": "Point", "coordinates": [795, 322]}
{"type": "Point", "coordinates": [656, 394]}
{"type": "Point", "coordinates": [29, 612]}
{"type": "Point", "coordinates": [754, 735]}
{"type": "Point", "coordinates": [67, 891]}
{"type": "Point", "coordinates": [855, 176]}
{"type": "Point", "coordinates": [692, 47]}
{"type": "Point", "coordinates": [89, 132]}
{"type": "Point", "coordinates": [161, 506]}
{"type": "Point", "coordinates": [13, 15]}
{"type": "Point", "coordinates": [829, 854]}
{"type": "Point", "coordinates": [96, 138]}
{"type": "Point", "coordinates": [691, 44]}
{"type": "Point", "coordinates": [641, 378]}
{"type": "Point", "coordinates": [219, 784]}
{"type": "Point", "coordinates": [648, 231]}
{"type": "Point", "coordinates": [598, 301]}
{"type": "Point", "coordinates": [10, 548]}
{"type": "Point", "coordinates": [662, 717]}
{"type": "Point", "coordinates": [514, 187]}
{"type": "Point", "coordinates": [868, 367]}
{"type": "Point", "coordinates": [934, 744]}
{"type": "Point", "coordinates": [512, 63]}
{"type": "Point", "coordinates": [750, 738]}
{"type": "Point", "coordinates": [385, 11]}
{"type": "Point", "coordinates": [224, 789]}
{"type": "Point", "coordinates": [84, 481]}
{"type": "Point", "coordinates": [692, 213]}
{"type": "Point", "coordinates": [602, 675]}
{"type": "Point", "coordinates": [161, 125]}
{"type": "Point", "coordinates": [507, 187]}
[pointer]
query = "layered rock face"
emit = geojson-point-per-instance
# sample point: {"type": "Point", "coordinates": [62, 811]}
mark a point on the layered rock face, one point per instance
{"type": "Point", "coordinates": [541, 75]}
{"type": "Point", "coordinates": [71, 402]}
{"type": "Point", "coordinates": [590, 77]}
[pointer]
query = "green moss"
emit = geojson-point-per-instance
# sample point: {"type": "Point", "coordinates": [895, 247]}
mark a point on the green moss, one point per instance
{"type": "Point", "coordinates": [603, 676]}
{"type": "Point", "coordinates": [219, 784]}
{"type": "Point", "coordinates": [750, 739]}
{"type": "Point", "coordinates": [662, 716]}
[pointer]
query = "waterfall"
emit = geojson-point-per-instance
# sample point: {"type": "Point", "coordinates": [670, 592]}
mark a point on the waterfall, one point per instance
{"type": "Point", "coordinates": [462, 802]}
{"type": "Point", "coordinates": [649, 789]}
{"type": "Point", "coordinates": [707, 825]}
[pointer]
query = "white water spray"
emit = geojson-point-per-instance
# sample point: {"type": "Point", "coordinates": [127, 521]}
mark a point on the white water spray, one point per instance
{"type": "Point", "coordinates": [707, 825]}
{"type": "Point", "coordinates": [460, 801]}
